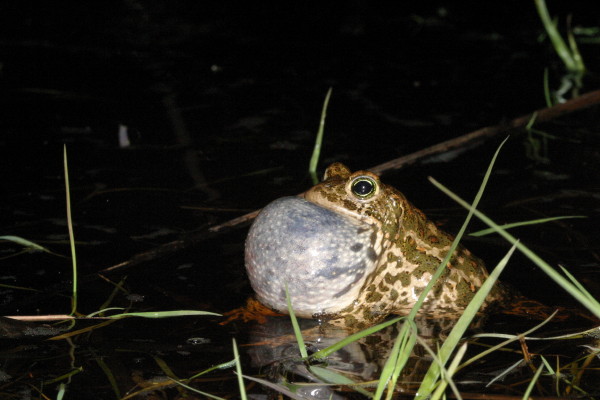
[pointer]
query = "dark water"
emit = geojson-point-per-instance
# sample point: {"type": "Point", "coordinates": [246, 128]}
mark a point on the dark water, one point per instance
{"type": "Point", "coordinates": [221, 103]}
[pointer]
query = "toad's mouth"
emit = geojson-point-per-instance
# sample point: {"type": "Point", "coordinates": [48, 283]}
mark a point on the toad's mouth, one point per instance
{"type": "Point", "coordinates": [323, 257]}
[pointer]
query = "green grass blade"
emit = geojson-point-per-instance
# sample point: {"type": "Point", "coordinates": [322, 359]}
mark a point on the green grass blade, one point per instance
{"type": "Point", "coordinates": [166, 369]}
{"type": "Point", "coordinates": [506, 372]}
{"type": "Point", "coordinates": [432, 375]}
{"type": "Point", "coordinates": [447, 377]}
{"type": "Point", "coordinates": [62, 389]}
{"type": "Point", "coordinates": [224, 365]}
{"type": "Point", "coordinates": [104, 310]}
{"type": "Point", "coordinates": [110, 376]}
{"type": "Point", "coordinates": [71, 234]}
{"type": "Point", "coordinates": [547, 92]}
{"type": "Point", "coordinates": [575, 282]}
{"type": "Point", "coordinates": [402, 348]}
{"type": "Point", "coordinates": [548, 366]}
{"type": "Point", "coordinates": [533, 381]}
{"type": "Point", "coordinates": [63, 377]}
{"type": "Point", "coordinates": [458, 237]}
{"type": "Point", "coordinates": [314, 160]}
{"type": "Point", "coordinates": [163, 314]}
{"type": "Point", "coordinates": [511, 338]}
{"type": "Point", "coordinates": [191, 389]}
{"type": "Point", "coordinates": [558, 43]}
{"type": "Point", "coordinates": [393, 365]}
{"type": "Point", "coordinates": [20, 288]}
{"type": "Point", "coordinates": [330, 376]}
{"type": "Point", "coordinates": [407, 344]}
{"type": "Point", "coordinates": [577, 59]}
{"type": "Point", "coordinates": [31, 246]}
{"type": "Point", "coordinates": [238, 369]}
{"type": "Point", "coordinates": [352, 338]}
{"type": "Point", "coordinates": [295, 326]}
{"type": "Point", "coordinates": [487, 231]}
{"type": "Point", "coordinates": [279, 388]}
{"type": "Point", "coordinates": [117, 288]}
{"type": "Point", "coordinates": [589, 303]}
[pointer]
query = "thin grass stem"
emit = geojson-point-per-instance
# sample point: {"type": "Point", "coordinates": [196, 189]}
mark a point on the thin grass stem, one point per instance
{"type": "Point", "coordinates": [314, 160]}
{"type": "Point", "coordinates": [591, 304]}
{"type": "Point", "coordinates": [71, 234]}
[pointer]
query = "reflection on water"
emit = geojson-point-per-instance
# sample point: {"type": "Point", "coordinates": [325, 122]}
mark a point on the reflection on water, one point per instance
{"type": "Point", "coordinates": [275, 354]}
{"type": "Point", "coordinates": [274, 350]}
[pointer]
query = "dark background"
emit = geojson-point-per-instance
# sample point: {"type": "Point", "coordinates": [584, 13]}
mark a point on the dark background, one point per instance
{"type": "Point", "coordinates": [222, 101]}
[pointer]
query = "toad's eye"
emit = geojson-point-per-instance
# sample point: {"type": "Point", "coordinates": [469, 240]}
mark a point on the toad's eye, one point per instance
{"type": "Point", "coordinates": [363, 187]}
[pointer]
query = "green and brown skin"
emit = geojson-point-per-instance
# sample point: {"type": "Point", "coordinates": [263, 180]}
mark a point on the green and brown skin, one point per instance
{"type": "Point", "coordinates": [409, 248]}
{"type": "Point", "coordinates": [354, 250]}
